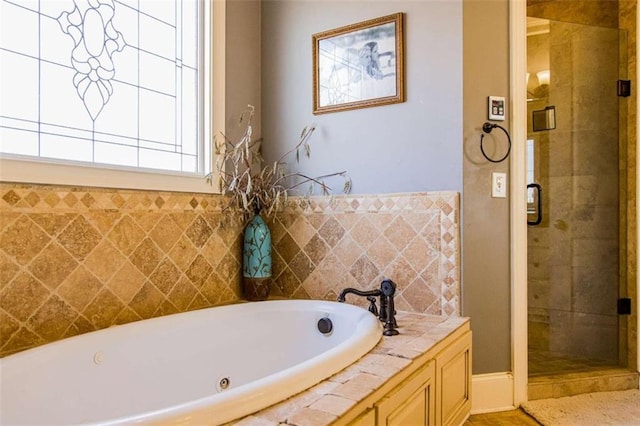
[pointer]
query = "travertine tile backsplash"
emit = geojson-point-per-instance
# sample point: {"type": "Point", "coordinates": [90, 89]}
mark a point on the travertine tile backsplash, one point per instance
{"type": "Point", "coordinates": [74, 260]}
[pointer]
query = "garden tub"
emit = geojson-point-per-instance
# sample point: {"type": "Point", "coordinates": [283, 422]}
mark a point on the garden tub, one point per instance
{"type": "Point", "coordinates": [201, 367]}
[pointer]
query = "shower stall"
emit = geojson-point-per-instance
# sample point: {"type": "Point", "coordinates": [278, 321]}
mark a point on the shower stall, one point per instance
{"type": "Point", "coordinates": [575, 170]}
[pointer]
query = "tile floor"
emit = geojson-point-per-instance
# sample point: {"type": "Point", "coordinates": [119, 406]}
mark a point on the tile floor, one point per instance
{"type": "Point", "coordinates": [544, 363]}
{"type": "Point", "coordinates": [503, 418]}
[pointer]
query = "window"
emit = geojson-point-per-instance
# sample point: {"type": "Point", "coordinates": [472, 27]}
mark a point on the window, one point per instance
{"type": "Point", "coordinates": [114, 84]}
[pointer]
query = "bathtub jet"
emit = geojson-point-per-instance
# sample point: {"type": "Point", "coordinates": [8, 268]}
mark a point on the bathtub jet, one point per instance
{"type": "Point", "coordinates": [184, 368]}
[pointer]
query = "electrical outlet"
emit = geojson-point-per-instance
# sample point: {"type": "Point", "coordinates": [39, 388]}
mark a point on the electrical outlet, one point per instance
{"type": "Point", "coordinates": [499, 185]}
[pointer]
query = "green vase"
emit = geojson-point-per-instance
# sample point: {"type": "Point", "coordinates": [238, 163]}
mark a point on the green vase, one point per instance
{"type": "Point", "coordinates": [256, 259]}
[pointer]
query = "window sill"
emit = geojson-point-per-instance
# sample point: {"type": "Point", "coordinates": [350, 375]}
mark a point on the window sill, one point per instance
{"type": "Point", "coordinates": [40, 172]}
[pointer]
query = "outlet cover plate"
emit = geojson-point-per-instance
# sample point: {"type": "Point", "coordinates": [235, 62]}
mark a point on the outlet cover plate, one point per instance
{"type": "Point", "coordinates": [499, 185]}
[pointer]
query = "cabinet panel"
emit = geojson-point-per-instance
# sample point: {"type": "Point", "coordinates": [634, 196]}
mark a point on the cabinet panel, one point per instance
{"type": "Point", "coordinates": [368, 418]}
{"type": "Point", "coordinates": [454, 381]}
{"type": "Point", "coordinates": [412, 403]}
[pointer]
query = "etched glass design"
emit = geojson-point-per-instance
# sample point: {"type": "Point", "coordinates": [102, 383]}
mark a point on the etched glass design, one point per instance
{"type": "Point", "coordinates": [113, 82]}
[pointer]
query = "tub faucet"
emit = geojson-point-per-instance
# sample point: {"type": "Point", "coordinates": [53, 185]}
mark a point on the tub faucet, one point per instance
{"type": "Point", "coordinates": [387, 313]}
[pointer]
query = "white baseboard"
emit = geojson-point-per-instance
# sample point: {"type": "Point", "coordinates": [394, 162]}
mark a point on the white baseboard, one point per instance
{"type": "Point", "coordinates": [491, 392]}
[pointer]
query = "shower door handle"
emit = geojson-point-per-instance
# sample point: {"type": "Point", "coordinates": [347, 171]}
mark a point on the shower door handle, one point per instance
{"type": "Point", "coordinates": [538, 219]}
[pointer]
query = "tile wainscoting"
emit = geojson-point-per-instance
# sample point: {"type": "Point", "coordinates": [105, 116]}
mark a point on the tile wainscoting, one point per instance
{"type": "Point", "coordinates": [74, 260]}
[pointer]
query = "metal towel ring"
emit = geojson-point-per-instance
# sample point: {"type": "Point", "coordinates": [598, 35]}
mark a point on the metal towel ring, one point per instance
{"type": "Point", "coordinates": [487, 128]}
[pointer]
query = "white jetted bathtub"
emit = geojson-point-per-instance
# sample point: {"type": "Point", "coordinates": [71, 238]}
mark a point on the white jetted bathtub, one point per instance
{"type": "Point", "coordinates": [202, 367]}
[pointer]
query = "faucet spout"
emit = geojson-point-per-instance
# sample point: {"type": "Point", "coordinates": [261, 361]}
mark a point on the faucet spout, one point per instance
{"type": "Point", "coordinates": [363, 293]}
{"type": "Point", "coordinates": [387, 313]}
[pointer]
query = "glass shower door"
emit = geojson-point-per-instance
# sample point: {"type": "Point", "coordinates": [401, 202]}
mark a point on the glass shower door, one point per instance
{"type": "Point", "coordinates": [573, 158]}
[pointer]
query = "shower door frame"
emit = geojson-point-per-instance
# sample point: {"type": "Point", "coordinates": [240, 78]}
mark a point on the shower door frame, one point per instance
{"type": "Point", "coordinates": [518, 202]}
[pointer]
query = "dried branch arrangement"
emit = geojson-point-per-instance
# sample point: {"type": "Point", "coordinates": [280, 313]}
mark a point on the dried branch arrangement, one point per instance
{"type": "Point", "coordinates": [254, 186]}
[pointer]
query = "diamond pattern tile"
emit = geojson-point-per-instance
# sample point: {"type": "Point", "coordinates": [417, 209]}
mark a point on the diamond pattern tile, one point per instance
{"type": "Point", "coordinates": [74, 260]}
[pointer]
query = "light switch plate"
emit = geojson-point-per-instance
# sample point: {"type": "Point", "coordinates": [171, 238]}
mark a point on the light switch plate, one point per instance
{"type": "Point", "coordinates": [496, 108]}
{"type": "Point", "coordinates": [499, 185]}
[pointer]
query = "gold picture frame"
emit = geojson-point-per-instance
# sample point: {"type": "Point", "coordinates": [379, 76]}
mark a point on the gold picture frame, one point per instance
{"type": "Point", "coordinates": [360, 65]}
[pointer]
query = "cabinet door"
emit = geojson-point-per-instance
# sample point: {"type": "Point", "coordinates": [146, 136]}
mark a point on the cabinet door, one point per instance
{"type": "Point", "coordinates": [454, 381]}
{"type": "Point", "coordinates": [368, 418]}
{"type": "Point", "coordinates": [411, 403]}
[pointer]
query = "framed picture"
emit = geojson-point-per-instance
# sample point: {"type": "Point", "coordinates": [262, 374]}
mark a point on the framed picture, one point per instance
{"type": "Point", "coordinates": [360, 65]}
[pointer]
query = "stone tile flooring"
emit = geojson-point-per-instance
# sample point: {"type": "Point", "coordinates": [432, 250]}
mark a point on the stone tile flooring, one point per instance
{"type": "Point", "coordinates": [503, 418]}
{"type": "Point", "coordinates": [543, 364]}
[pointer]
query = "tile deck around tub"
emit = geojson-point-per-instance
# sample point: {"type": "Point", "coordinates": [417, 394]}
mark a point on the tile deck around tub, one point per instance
{"type": "Point", "coordinates": [328, 400]}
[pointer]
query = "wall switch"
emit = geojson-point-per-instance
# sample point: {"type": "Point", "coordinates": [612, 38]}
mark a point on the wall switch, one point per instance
{"type": "Point", "coordinates": [496, 108]}
{"type": "Point", "coordinates": [499, 185]}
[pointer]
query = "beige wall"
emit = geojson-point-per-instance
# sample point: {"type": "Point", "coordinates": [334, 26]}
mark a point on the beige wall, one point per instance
{"type": "Point", "coordinates": [485, 220]}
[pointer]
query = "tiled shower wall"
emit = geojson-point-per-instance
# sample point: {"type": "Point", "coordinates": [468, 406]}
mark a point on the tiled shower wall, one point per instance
{"type": "Point", "coordinates": [74, 260]}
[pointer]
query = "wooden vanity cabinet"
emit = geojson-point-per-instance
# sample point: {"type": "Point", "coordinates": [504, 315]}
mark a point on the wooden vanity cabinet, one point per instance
{"type": "Point", "coordinates": [434, 390]}
{"type": "Point", "coordinates": [411, 403]}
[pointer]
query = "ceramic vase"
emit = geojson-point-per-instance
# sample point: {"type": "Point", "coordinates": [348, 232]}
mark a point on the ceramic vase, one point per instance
{"type": "Point", "coordinates": [256, 259]}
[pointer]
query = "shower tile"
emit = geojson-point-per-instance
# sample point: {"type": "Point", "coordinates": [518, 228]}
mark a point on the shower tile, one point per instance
{"type": "Point", "coordinates": [302, 231]}
{"type": "Point", "coordinates": [146, 256]}
{"type": "Point", "coordinates": [287, 248]}
{"type": "Point", "coordinates": [8, 326]}
{"type": "Point", "coordinates": [399, 233]}
{"type": "Point", "coordinates": [301, 266]}
{"type": "Point", "coordinates": [419, 254]}
{"type": "Point", "coordinates": [421, 298]}
{"type": "Point", "coordinates": [146, 301]}
{"type": "Point", "coordinates": [53, 224]}
{"type": "Point", "coordinates": [104, 261]}
{"type": "Point", "coordinates": [184, 252]}
{"type": "Point", "coordinates": [287, 282]}
{"type": "Point", "coordinates": [145, 218]}
{"type": "Point", "coordinates": [103, 309]}
{"type": "Point", "coordinates": [365, 272]}
{"type": "Point", "coordinates": [199, 232]}
{"type": "Point", "coordinates": [167, 232]}
{"type": "Point", "coordinates": [316, 249]}
{"type": "Point", "coordinates": [364, 233]}
{"type": "Point", "coordinates": [165, 276]}
{"type": "Point", "coordinates": [199, 271]}
{"type": "Point", "coordinates": [52, 319]}
{"type": "Point", "coordinates": [23, 240]}
{"type": "Point", "coordinates": [347, 251]}
{"type": "Point", "coordinates": [79, 288]}
{"type": "Point", "coordinates": [126, 235]}
{"type": "Point", "coordinates": [183, 293]}
{"type": "Point", "coordinates": [401, 272]}
{"type": "Point", "coordinates": [126, 282]}
{"type": "Point", "coordinates": [331, 232]}
{"type": "Point", "coordinates": [23, 296]}
{"type": "Point", "coordinates": [8, 270]}
{"type": "Point", "coordinates": [382, 252]}
{"type": "Point", "coordinates": [21, 340]}
{"type": "Point", "coordinates": [166, 308]}
{"type": "Point", "coordinates": [79, 326]}
{"type": "Point", "coordinates": [212, 288]}
{"type": "Point", "coordinates": [301, 293]}
{"type": "Point", "coordinates": [79, 238]}
{"type": "Point", "coordinates": [315, 285]}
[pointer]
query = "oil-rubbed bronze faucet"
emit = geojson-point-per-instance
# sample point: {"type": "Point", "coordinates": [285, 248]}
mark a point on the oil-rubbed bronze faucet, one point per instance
{"type": "Point", "coordinates": [387, 312]}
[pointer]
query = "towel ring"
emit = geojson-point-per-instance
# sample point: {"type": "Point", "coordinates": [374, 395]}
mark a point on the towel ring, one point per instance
{"type": "Point", "coordinates": [487, 128]}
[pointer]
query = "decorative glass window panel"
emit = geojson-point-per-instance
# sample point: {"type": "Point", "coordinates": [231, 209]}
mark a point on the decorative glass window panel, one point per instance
{"type": "Point", "coordinates": [113, 82]}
